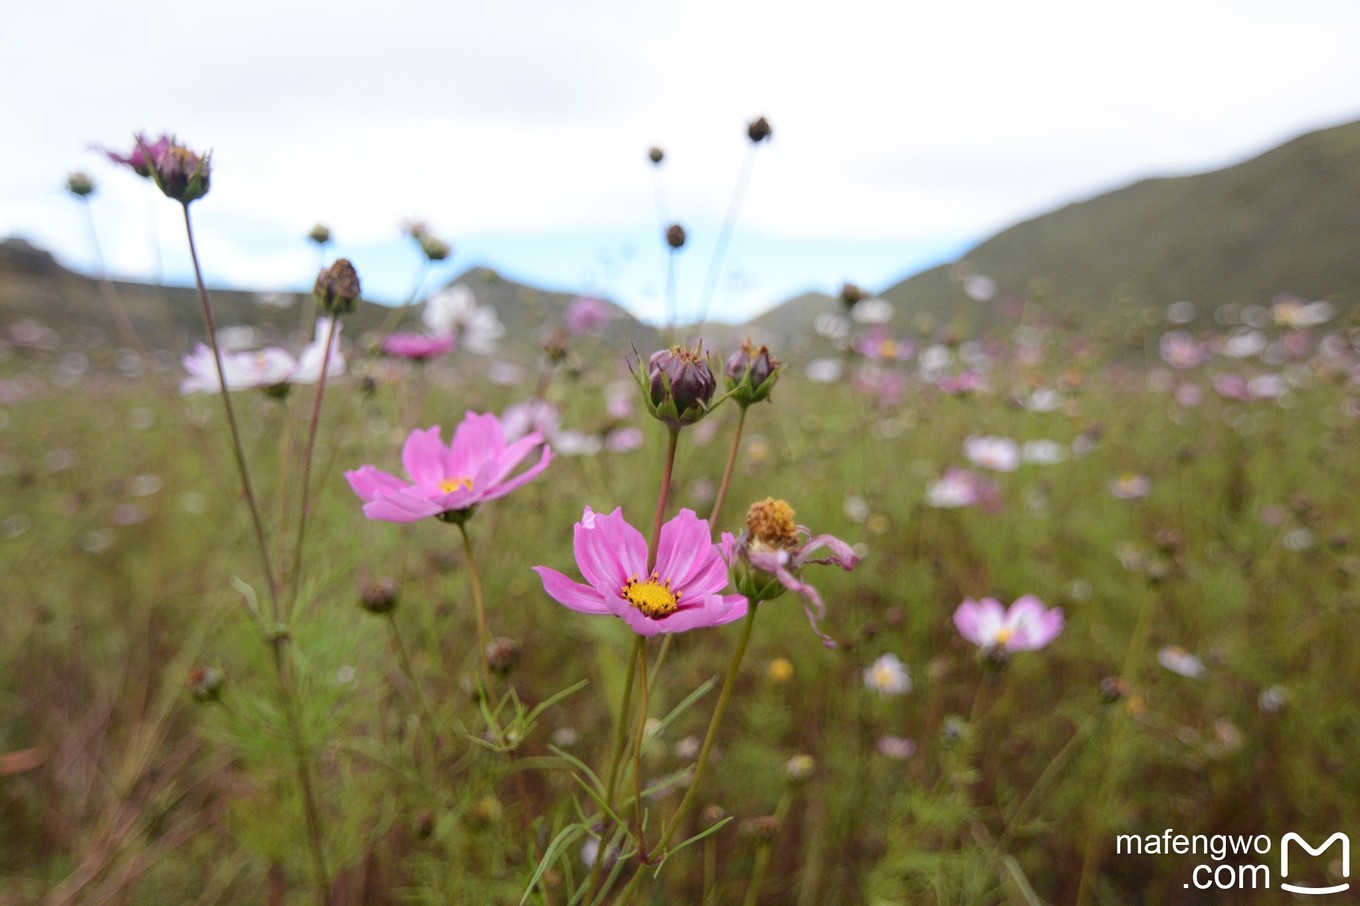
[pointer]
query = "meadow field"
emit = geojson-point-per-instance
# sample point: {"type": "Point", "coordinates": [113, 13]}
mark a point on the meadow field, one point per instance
{"type": "Point", "coordinates": [1183, 492]}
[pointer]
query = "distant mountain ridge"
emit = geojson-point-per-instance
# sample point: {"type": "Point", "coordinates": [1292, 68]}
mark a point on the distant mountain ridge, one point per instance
{"type": "Point", "coordinates": [1286, 221]}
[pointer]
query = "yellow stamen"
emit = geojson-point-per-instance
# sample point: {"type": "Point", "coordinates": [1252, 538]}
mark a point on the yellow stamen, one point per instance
{"type": "Point", "coordinates": [449, 485]}
{"type": "Point", "coordinates": [888, 349]}
{"type": "Point", "coordinates": [653, 597]}
{"type": "Point", "coordinates": [770, 523]}
{"type": "Point", "coordinates": [1003, 636]}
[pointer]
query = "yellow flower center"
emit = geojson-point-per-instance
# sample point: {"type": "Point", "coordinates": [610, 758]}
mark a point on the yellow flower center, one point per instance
{"type": "Point", "coordinates": [888, 349]}
{"type": "Point", "coordinates": [770, 522]}
{"type": "Point", "coordinates": [449, 485]}
{"type": "Point", "coordinates": [653, 597]}
{"type": "Point", "coordinates": [1003, 636]}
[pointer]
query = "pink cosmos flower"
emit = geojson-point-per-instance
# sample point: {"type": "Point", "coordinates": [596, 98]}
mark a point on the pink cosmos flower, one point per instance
{"type": "Point", "coordinates": [1026, 626]}
{"type": "Point", "coordinates": [144, 154]}
{"type": "Point", "coordinates": [682, 592]}
{"type": "Point", "coordinates": [587, 315]}
{"type": "Point", "coordinates": [878, 343]}
{"type": "Point", "coordinates": [416, 346]}
{"type": "Point", "coordinates": [448, 481]}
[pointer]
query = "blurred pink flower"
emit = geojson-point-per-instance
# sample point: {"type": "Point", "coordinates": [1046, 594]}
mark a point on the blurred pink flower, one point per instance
{"type": "Point", "coordinates": [418, 347]}
{"type": "Point", "coordinates": [586, 315]}
{"type": "Point", "coordinates": [966, 382]}
{"type": "Point", "coordinates": [1026, 626]}
{"type": "Point", "coordinates": [448, 481]}
{"type": "Point", "coordinates": [1000, 454]}
{"type": "Point", "coordinates": [964, 487]}
{"type": "Point", "coordinates": [682, 592]}
{"type": "Point", "coordinates": [879, 343]}
{"type": "Point", "coordinates": [1131, 487]}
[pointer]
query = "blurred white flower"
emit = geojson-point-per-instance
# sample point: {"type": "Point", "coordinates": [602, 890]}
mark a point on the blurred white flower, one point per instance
{"type": "Point", "coordinates": [888, 676]}
{"type": "Point", "coordinates": [454, 312]}
{"type": "Point", "coordinates": [872, 311]}
{"type": "Point", "coordinates": [1178, 660]}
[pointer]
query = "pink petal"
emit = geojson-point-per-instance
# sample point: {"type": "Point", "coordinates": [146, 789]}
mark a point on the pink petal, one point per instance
{"type": "Point", "coordinates": [564, 591]}
{"type": "Point", "coordinates": [423, 456]}
{"type": "Point", "coordinates": [479, 438]}
{"type": "Point", "coordinates": [683, 548]}
{"type": "Point", "coordinates": [507, 459]}
{"type": "Point", "coordinates": [523, 478]}
{"type": "Point", "coordinates": [403, 506]}
{"type": "Point", "coordinates": [608, 550]}
{"type": "Point", "coordinates": [370, 483]}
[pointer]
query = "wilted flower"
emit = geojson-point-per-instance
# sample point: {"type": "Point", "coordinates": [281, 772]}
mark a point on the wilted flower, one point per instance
{"type": "Point", "coordinates": [888, 676]}
{"type": "Point", "coordinates": [1178, 660]}
{"type": "Point", "coordinates": [449, 481]}
{"type": "Point", "coordinates": [1026, 626]}
{"type": "Point", "coordinates": [751, 373]}
{"type": "Point", "coordinates": [678, 386]}
{"type": "Point", "coordinates": [178, 172]}
{"type": "Point", "coordinates": [417, 347]}
{"type": "Point", "coordinates": [772, 552]}
{"type": "Point", "coordinates": [682, 591]}
{"type": "Point", "coordinates": [454, 312]}
{"type": "Point", "coordinates": [270, 368]}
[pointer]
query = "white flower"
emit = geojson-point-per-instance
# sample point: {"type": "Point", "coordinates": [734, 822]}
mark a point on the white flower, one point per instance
{"type": "Point", "coordinates": [1178, 660]}
{"type": "Point", "coordinates": [271, 367]}
{"type": "Point", "coordinates": [1000, 454]}
{"type": "Point", "coordinates": [824, 371]}
{"type": "Point", "coordinates": [454, 312]}
{"type": "Point", "coordinates": [872, 311]}
{"type": "Point", "coordinates": [888, 676]}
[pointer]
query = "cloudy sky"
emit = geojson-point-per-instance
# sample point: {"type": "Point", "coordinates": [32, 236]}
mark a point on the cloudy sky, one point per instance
{"type": "Point", "coordinates": [518, 130]}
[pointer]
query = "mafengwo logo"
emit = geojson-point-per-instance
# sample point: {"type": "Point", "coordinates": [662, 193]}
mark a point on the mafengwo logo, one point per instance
{"type": "Point", "coordinates": [1306, 889]}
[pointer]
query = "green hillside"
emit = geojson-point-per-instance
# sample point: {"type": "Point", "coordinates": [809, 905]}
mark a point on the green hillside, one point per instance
{"type": "Point", "coordinates": [1287, 221]}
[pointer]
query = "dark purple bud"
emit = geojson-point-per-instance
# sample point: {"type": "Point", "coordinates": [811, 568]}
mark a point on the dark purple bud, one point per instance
{"type": "Point", "coordinates": [680, 385]}
{"type": "Point", "coordinates": [337, 288]}
{"type": "Point", "coordinates": [751, 373]}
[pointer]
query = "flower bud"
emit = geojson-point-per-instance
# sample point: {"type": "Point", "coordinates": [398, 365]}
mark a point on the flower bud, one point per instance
{"type": "Point", "coordinates": [751, 373]}
{"type": "Point", "coordinates": [762, 829]}
{"type": "Point", "coordinates": [799, 769]}
{"type": "Point", "coordinates": [711, 816]}
{"type": "Point", "coordinates": [205, 683]}
{"type": "Point", "coordinates": [656, 155]}
{"type": "Point", "coordinates": [320, 234]}
{"type": "Point", "coordinates": [180, 173]}
{"type": "Point", "coordinates": [680, 385]}
{"type": "Point", "coordinates": [502, 655]}
{"type": "Point", "coordinates": [758, 130]}
{"type": "Point", "coordinates": [80, 184]}
{"type": "Point", "coordinates": [435, 249]}
{"type": "Point", "coordinates": [379, 595]}
{"type": "Point", "coordinates": [675, 236]}
{"type": "Point", "coordinates": [337, 288]}
{"type": "Point", "coordinates": [852, 295]}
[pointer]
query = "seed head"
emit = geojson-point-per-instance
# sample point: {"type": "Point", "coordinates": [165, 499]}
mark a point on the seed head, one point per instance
{"type": "Point", "coordinates": [770, 523]}
{"type": "Point", "coordinates": [758, 130]}
{"type": "Point", "coordinates": [320, 234]}
{"type": "Point", "coordinates": [80, 184]}
{"type": "Point", "coordinates": [337, 288]}
{"type": "Point", "coordinates": [675, 236]}
{"type": "Point", "coordinates": [656, 155]}
{"type": "Point", "coordinates": [379, 595]}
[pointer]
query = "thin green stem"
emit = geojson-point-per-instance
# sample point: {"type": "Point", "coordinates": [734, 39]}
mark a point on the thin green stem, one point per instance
{"type": "Point", "coordinates": [238, 449]}
{"type": "Point", "coordinates": [711, 736]}
{"type": "Point", "coordinates": [483, 639]}
{"type": "Point", "coordinates": [725, 236]}
{"type": "Point", "coordinates": [404, 658]}
{"type": "Point", "coordinates": [616, 758]}
{"type": "Point", "coordinates": [277, 639]}
{"type": "Point", "coordinates": [662, 496]}
{"type": "Point", "coordinates": [643, 706]}
{"type": "Point", "coordinates": [305, 505]}
{"type": "Point", "coordinates": [763, 851]}
{"type": "Point", "coordinates": [727, 471]}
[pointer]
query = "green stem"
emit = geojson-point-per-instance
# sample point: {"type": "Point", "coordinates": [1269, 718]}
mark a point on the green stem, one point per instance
{"type": "Point", "coordinates": [662, 496]}
{"type": "Point", "coordinates": [238, 449]}
{"type": "Point", "coordinates": [306, 503]}
{"type": "Point", "coordinates": [727, 471]}
{"type": "Point", "coordinates": [417, 691]}
{"type": "Point", "coordinates": [616, 758]}
{"type": "Point", "coordinates": [483, 639]}
{"type": "Point", "coordinates": [711, 736]}
{"type": "Point", "coordinates": [278, 638]}
{"type": "Point", "coordinates": [643, 707]}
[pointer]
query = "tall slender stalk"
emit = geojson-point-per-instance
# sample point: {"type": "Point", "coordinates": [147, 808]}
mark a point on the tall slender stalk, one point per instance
{"type": "Point", "coordinates": [483, 639]}
{"type": "Point", "coordinates": [277, 637]}
{"type": "Point", "coordinates": [643, 706]}
{"type": "Point", "coordinates": [305, 504]}
{"type": "Point", "coordinates": [721, 496]}
{"type": "Point", "coordinates": [725, 235]}
{"type": "Point", "coordinates": [711, 736]}
{"type": "Point", "coordinates": [662, 496]}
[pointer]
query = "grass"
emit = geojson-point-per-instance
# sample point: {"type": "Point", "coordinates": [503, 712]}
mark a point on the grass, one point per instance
{"type": "Point", "coordinates": [126, 552]}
